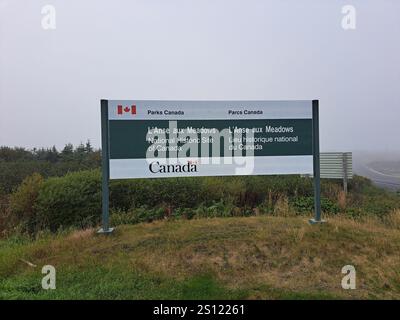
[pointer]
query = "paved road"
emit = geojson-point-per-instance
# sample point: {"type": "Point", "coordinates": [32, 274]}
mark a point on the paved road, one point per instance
{"type": "Point", "coordinates": [383, 180]}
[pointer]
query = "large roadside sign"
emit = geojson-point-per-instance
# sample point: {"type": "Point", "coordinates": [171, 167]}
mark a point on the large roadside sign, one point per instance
{"type": "Point", "coordinates": [155, 139]}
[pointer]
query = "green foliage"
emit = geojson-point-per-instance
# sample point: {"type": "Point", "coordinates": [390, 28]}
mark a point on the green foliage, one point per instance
{"type": "Point", "coordinates": [72, 200]}
{"type": "Point", "coordinates": [173, 192]}
{"type": "Point", "coordinates": [366, 199]}
{"type": "Point", "coordinates": [136, 215]}
{"type": "Point", "coordinates": [361, 184]}
{"type": "Point", "coordinates": [354, 213]}
{"type": "Point", "coordinates": [220, 208]}
{"type": "Point", "coordinates": [380, 205]}
{"type": "Point", "coordinates": [22, 203]}
{"type": "Point", "coordinates": [14, 154]}
{"type": "Point", "coordinates": [75, 199]}
{"type": "Point", "coordinates": [18, 163]}
{"type": "Point", "coordinates": [306, 205]}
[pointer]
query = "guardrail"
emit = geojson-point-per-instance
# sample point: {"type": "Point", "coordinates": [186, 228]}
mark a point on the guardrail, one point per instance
{"type": "Point", "coordinates": [336, 165]}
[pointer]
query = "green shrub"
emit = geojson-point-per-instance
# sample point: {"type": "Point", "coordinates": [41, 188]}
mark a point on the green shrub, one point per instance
{"type": "Point", "coordinates": [231, 189]}
{"type": "Point", "coordinates": [306, 205]}
{"type": "Point", "coordinates": [13, 173]}
{"type": "Point", "coordinates": [217, 209]}
{"type": "Point", "coordinates": [185, 192]}
{"type": "Point", "coordinates": [72, 200]}
{"type": "Point", "coordinates": [183, 213]}
{"type": "Point", "coordinates": [22, 203]}
{"type": "Point", "coordinates": [360, 184]}
{"type": "Point", "coordinates": [176, 192]}
{"type": "Point", "coordinates": [118, 217]}
{"type": "Point", "coordinates": [380, 205]}
{"type": "Point", "coordinates": [136, 215]}
{"type": "Point", "coordinates": [354, 213]}
{"type": "Point", "coordinates": [259, 188]}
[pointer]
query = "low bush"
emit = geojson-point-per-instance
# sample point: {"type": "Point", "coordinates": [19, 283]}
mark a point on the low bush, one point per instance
{"type": "Point", "coordinates": [22, 204]}
{"type": "Point", "coordinates": [171, 192]}
{"type": "Point", "coordinates": [71, 200]}
{"type": "Point", "coordinates": [136, 215]}
{"type": "Point", "coordinates": [216, 209]}
{"type": "Point", "coordinates": [74, 200]}
{"type": "Point", "coordinates": [306, 205]}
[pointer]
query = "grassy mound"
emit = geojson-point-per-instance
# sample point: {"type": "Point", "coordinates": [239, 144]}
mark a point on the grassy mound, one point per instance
{"type": "Point", "coordinates": [259, 257]}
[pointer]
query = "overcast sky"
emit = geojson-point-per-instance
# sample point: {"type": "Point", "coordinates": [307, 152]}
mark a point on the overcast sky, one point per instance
{"type": "Point", "coordinates": [51, 81]}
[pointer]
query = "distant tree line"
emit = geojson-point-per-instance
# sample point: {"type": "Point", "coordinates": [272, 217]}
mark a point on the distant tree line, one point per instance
{"type": "Point", "coordinates": [16, 163]}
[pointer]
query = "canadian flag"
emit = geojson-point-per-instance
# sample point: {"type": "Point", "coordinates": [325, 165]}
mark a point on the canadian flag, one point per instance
{"type": "Point", "coordinates": [121, 109]}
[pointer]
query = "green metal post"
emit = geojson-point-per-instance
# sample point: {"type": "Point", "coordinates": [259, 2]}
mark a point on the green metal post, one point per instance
{"type": "Point", "coordinates": [316, 163]}
{"type": "Point", "coordinates": [105, 165]}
